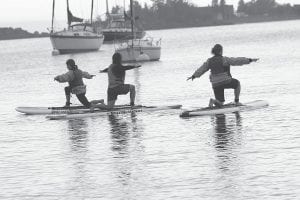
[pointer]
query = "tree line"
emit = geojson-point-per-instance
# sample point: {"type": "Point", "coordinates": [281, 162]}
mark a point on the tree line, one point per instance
{"type": "Point", "coordinates": [162, 14]}
{"type": "Point", "coordinates": [266, 7]}
{"type": "Point", "coordinates": [9, 33]}
{"type": "Point", "coordinates": [180, 13]}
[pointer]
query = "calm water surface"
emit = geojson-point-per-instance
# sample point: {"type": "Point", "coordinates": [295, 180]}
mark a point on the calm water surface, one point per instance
{"type": "Point", "coordinates": [248, 155]}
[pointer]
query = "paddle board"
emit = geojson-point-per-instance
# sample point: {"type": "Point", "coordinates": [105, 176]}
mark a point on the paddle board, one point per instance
{"type": "Point", "coordinates": [227, 108]}
{"type": "Point", "coordinates": [115, 111]}
{"type": "Point", "coordinates": [59, 110]}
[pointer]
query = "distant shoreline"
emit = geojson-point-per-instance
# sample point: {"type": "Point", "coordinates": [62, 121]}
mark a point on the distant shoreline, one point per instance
{"type": "Point", "coordinates": [236, 21]}
{"type": "Point", "coordinates": [9, 33]}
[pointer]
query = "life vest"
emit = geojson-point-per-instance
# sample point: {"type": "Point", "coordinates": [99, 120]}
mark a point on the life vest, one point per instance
{"type": "Point", "coordinates": [220, 74]}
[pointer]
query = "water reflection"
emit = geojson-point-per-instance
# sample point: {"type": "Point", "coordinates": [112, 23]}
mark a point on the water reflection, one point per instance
{"type": "Point", "coordinates": [224, 128]}
{"type": "Point", "coordinates": [227, 143]}
{"type": "Point", "coordinates": [126, 135]}
{"type": "Point", "coordinates": [120, 131]}
{"type": "Point", "coordinates": [137, 84]}
{"type": "Point", "coordinates": [78, 134]}
{"type": "Point", "coordinates": [227, 139]}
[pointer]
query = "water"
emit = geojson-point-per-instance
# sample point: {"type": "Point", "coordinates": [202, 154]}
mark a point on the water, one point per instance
{"type": "Point", "coordinates": [250, 155]}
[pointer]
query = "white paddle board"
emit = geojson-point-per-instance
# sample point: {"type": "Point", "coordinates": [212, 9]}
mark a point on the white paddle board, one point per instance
{"type": "Point", "coordinates": [227, 108]}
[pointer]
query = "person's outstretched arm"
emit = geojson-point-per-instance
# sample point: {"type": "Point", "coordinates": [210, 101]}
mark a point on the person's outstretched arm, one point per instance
{"type": "Point", "coordinates": [104, 70]}
{"type": "Point", "coordinates": [87, 75]}
{"type": "Point", "coordinates": [129, 67]}
{"type": "Point", "coordinates": [67, 77]}
{"type": "Point", "coordinates": [238, 61]}
{"type": "Point", "coordinates": [200, 71]}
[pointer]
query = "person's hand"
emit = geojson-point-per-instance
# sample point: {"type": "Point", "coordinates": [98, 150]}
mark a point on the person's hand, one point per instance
{"type": "Point", "coordinates": [253, 59]}
{"type": "Point", "coordinates": [191, 77]}
{"type": "Point", "coordinates": [56, 78]}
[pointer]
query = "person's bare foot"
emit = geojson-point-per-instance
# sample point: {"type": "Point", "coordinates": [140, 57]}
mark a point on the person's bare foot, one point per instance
{"type": "Point", "coordinates": [238, 104]}
{"type": "Point", "coordinates": [67, 105]}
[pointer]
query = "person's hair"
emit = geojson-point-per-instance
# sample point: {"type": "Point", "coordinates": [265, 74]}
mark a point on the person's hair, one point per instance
{"type": "Point", "coordinates": [217, 50]}
{"type": "Point", "coordinates": [117, 58]}
{"type": "Point", "coordinates": [72, 64]}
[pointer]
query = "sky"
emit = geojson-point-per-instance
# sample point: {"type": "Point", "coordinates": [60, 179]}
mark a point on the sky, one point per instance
{"type": "Point", "coordinates": [35, 14]}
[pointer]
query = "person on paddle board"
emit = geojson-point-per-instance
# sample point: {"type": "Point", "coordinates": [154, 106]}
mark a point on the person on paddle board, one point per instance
{"type": "Point", "coordinates": [220, 76]}
{"type": "Point", "coordinates": [116, 78]}
{"type": "Point", "coordinates": [76, 86]}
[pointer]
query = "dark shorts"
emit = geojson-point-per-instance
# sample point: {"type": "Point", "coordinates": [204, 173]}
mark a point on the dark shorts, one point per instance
{"type": "Point", "coordinates": [219, 90]}
{"type": "Point", "coordinates": [112, 93]}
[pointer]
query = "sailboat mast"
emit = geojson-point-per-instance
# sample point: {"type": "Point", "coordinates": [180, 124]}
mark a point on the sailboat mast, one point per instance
{"type": "Point", "coordinates": [132, 17]}
{"type": "Point", "coordinates": [92, 9]}
{"type": "Point", "coordinates": [53, 7]}
{"type": "Point", "coordinates": [69, 23]}
{"type": "Point", "coordinates": [107, 10]}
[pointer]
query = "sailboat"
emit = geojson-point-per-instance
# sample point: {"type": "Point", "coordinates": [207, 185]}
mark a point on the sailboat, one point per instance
{"type": "Point", "coordinates": [136, 50]}
{"type": "Point", "coordinates": [118, 28]}
{"type": "Point", "coordinates": [77, 37]}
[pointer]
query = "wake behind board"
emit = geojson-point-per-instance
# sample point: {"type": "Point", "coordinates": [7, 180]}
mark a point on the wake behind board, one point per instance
{"type": "Point", "coordinates": [227, 108]}
{"type": "Point", "coordinates": [58, 110]}
{"type": "Point", "coordinates": [115, 111]}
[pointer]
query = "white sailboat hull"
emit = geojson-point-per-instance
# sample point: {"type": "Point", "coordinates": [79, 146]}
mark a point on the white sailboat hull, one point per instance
{"type": "Point", "coordinates": [132, 54]}
{"type": "Point", "coordinates": [71, 43]}
{"type": "Point", "coordinates": [141, 50]}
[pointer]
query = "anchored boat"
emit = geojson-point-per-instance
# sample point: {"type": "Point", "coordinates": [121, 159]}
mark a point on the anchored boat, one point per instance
{"type": "Point", "coordinates": [118, 27]}
{"type": "Point", "coordinates": [136, 50]}
{"type": "Point", "coordinates": [77, 37]}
